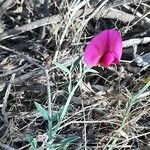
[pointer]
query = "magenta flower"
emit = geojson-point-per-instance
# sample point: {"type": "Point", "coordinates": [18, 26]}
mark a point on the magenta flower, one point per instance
{"type": "Point", "coordinates": [105, 49]}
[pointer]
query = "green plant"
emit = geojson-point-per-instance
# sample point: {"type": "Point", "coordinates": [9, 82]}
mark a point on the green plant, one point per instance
{"type": "Point", "coordinates": [55, 120]}
{"type": "Point", "coordinates": [133, 100]}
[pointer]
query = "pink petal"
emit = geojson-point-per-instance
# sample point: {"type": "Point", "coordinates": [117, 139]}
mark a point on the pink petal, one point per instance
{"type": "Point", "coordinates": [116, 60]}
{"type": "Point", "coordinates": [115, 44]}
{"type": "Point", "coordinates": [107, 43]}
{"type": "Point", "coordinates": [107, 60]}
{"type": "Point", "coordinates": [92, 55]}
{"type": "Point", "coordinates": [95, 49]}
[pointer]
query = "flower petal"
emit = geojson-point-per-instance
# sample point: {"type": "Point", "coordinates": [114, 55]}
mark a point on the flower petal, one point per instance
{"type": "Point", "coordinates": [95, 49]}
{"type": "Point", "coordinates": [109, 43]}
{"type": "Point", "coordinates": [107, 60]}
{"type": "Point", "coordinates": [115, 44]}
{"type": "Point", "coordinates": [92, 55]}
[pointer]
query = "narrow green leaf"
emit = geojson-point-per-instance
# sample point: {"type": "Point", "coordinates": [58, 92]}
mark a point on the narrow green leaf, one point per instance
{"type": "Point", "coordinates": [29, 138]}
{"type": "Point", "coordinates": [62, 67]}
{"type": "Point", "coordinates": [75, 64]}
{"type": "Point", "coordinates": [135, 98]}
{"type": "Point", "coordinates": [65, 143]}
{"type": "Point", "coordinates": [56, 116]}
{"type": "Point", "coordinates": [32, 141]}
{"type": "Point", "coordinates": [43, 112]}
{"type": "Point", "coordinates": [69, 140]}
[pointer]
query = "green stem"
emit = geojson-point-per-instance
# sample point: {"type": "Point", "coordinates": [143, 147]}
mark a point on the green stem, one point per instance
{"type": "Point", "coordinates": [130, 104]}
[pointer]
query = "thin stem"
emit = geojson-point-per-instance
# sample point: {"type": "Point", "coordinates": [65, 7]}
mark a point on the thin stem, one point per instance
{"type": "Point", "coordinates": [49, 103]}
{"type": "Point", "coordinates": [67, 104]}
{"type": "Point", "coordinates": [130, 104]}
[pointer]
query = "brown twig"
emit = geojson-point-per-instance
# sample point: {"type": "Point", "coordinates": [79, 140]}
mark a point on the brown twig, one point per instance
{"type": "Point", "coordinates": [136, 41]}
{"type": "Point", "coordinates": [15, 70]}
{"type": "Point", "coordinates": [28, 58]}
{"type": "Point", "coordinates": [123, 2]}
{"type": "Point", "coordinates": [6, 4]}
{"type": "Point", "coordinates": [4, 146]}
{"type": "Point", "coordinates": [57, 18]}
{"type": "Point", "coordinates": [30, 26]}
{"type": "Point", "coordinates": [7, 95]}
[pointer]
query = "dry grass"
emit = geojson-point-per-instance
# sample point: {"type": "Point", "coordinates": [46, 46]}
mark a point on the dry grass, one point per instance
{"type": "Point", "coordinates": [34, 35]}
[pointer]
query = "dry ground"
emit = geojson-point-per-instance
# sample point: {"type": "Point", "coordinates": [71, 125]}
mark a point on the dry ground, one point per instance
{"type": "Point", "coordinates": [34, 34]}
